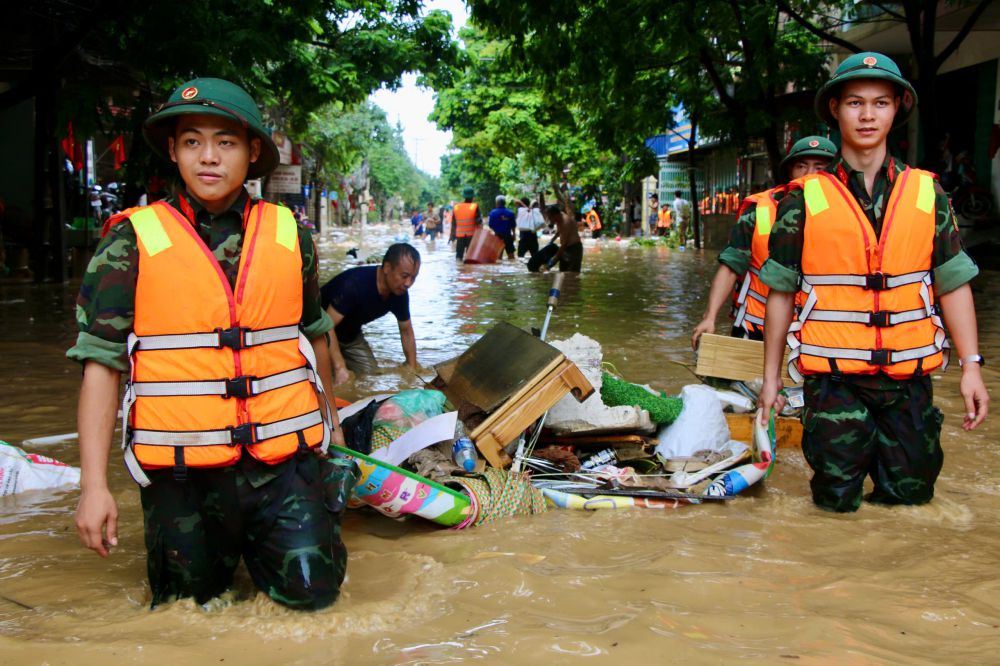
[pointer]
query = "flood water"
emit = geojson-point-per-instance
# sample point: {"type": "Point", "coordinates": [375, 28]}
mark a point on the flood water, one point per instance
{"type": "Point", "coordinates": [766, 578]}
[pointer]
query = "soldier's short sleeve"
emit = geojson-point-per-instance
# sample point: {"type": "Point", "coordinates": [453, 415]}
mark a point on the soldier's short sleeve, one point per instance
{"type": "Point", "coordinates": [736, 255]}
{"type": "Point", "coordinates": [105, 306]}
{"type": "Point", "coordinates": [951, 265]}
{"type": "Point", "coordinates": [783, 269]}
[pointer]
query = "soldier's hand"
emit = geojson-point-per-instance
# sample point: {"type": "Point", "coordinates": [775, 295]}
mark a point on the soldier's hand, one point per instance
{"type": "Point", "coordinates": [770, 398]}
{"type": "Point", "coordinates": [341, 375]}
{"type": "Point", "coordinates": [96, 512]}
{"type": "Point", "coordinates": [704, 326]}
{"type": "Point", "coordinates": [337, 437]}
{"type": "Point", "coordinates": [976, 397]}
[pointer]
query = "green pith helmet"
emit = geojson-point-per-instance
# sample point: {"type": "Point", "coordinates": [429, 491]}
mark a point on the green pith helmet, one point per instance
{"type": "Point", "coordinates": [468, 193]}
{"type": "Point", "coordinates": [215, 97]}
{"type": "Point", "coordinates": [809, 146]}
{"type": "Point", "coordinates": [866, 66]}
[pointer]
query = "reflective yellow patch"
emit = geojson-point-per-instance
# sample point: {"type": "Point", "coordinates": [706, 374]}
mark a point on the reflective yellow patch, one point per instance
{"type": "Point", "coordinates": [287, 233]}
{"type": "Point", "coordinates": [150, 231]}
{"type": "Point", "coordinates": [815, 199]}
{"type": "Point", "coordinates": [764, 220]}
{"type": "Point", "coordinates": [925, 195]}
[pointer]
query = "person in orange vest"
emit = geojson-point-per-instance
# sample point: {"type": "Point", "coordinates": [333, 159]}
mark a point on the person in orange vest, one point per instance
{"type": "Point", "coordinates": [465, 219]}
{"type": "Point", "coordinates": [209, 303]}
{"type": "Point", "coordinates": [593, 221]}
{"type": "Point", "coordinates": [740, 261]}
{"type": "Point", "coordinates": [663, 220]}
{"type": "Point", "coordinates": [872, 247]}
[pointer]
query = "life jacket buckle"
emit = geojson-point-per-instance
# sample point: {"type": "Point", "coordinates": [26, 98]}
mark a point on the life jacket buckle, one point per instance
{"type": "Point", "coordinates": [231, 337]}
{"type": "Point", "coordinates": [881, 356]}
{"type": "Point", "coordinates": [877, 281]}
{"type": "Point", "coordinates": [879, 319]}
{"type": "Point", "coordinates": [242, 434]}
{"type": "Point", "coordinates": [240, 387]}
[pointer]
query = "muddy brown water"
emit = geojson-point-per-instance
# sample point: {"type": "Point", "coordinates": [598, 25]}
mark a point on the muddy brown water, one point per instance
{"type": "Point", "coordinates": [766, 578]}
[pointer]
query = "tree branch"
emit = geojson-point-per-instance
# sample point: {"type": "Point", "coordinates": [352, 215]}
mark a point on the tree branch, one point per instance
{"type": "Point", "coordinates": [819, 32]}
{"type": "Point", "coordinates": [962, 34]}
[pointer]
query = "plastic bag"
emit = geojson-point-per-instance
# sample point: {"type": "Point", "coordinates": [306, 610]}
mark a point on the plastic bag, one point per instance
{"type": "Point", "coordinates": [409, 408]}
{"type": "Point", "coordinates": [20, 471]}
{"type": "Point", "coordinates": [701, 425]}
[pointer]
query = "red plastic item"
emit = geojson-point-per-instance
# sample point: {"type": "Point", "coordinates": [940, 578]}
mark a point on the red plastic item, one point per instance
{"type": "Point", "coordinates": [485, 247]}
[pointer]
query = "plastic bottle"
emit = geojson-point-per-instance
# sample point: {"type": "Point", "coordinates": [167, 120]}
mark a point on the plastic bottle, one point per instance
{"type": "Point", "coordinates": [464, 451]}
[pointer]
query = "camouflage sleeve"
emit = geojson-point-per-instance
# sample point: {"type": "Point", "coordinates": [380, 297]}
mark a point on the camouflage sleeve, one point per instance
{"type": "Point", "coordinates": [737, 254]}
{"type": "Point", "coordinates": [952, 266]}
{"type": "Point", "coordinates": [315, 320]}
{"type": "Point", "coordinates": [783, 269]}
{"type": "Point", "coordinates": [105, 307]}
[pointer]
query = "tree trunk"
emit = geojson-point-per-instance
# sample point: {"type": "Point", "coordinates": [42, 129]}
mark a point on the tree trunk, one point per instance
{"type": "Point", "coordinates": [693, 182]}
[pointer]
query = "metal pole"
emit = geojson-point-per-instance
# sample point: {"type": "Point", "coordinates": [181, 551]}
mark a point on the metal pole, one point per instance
{"type": "Point", "coordinates": [522, 449]}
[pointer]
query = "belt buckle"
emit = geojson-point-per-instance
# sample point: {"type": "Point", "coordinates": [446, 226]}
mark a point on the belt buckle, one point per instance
{"type": "Point", "coordinates": [880, 319]}
{"type": "Point", "coordinates": [881, 356]}
{"type": "Point", "coordinates": [242, 434]}
{"type": "Point", "coordinates": [239, 387]}
{"type": "Point", "coordinates": [876, 281]}
{"type": "Point", "coordinates": [231, 337]}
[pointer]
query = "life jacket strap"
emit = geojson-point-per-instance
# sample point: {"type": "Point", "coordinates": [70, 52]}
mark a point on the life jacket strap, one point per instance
{"type": "Point", "coordinates": [874, 356]}
{"type": "Point", "coordinates": [245, 434]}
{"type": "Point", "coordinates": [235, 337]}
{"type": "Point", "coordinates": [881, 319]}
{"type": "Point", "coordinates": [237, 387]}
{"type": "Point", "coordinates": [872, 281]}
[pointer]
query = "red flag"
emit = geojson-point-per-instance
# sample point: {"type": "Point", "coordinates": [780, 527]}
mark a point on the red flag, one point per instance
{"type": "Point", "coordinates": [117, 148]}
{"type": "Point", "coordinates": [68, 143]}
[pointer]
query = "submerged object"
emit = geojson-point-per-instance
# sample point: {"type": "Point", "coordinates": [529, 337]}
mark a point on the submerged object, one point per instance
{"type": "Point", "coordinates": [740, 478]}
{"type": "Point", "coordinates": [396, 492]}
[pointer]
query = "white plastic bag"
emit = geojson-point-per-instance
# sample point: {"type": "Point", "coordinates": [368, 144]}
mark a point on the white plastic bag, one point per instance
{"type": "Point", "coordinates": [20, 471]}
{"type": "Point", "coordinates": [701, 425]}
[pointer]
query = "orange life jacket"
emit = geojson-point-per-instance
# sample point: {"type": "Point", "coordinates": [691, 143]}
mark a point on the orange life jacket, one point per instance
{"type": "Point", "coordinates": [593, 220]}
{"type": "Point", "coordinates": [663, 219]}
{"type": "Point", "coordinates": [213, 371]}
{"type": "Point", "coordinates": [750, 301]}
{"type": "Point", "coordinates": [869, 303]}
{"type": "Point", "coordinates": [465, 219]}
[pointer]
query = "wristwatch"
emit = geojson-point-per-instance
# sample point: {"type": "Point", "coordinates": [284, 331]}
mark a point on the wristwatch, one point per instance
{"type": "Point", "coordinates": [975, 358]}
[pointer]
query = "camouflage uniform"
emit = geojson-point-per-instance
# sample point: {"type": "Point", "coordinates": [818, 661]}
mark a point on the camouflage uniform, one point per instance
{"type": "Point", "coordinates": [275, 516]}
{"type": "Point", "coordinates": [858, 425]}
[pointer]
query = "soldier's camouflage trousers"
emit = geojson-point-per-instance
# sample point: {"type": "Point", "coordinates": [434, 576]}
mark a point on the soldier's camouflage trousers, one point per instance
{"type": "Point", "coordinates": [283, 520]}
{"type": "Point", "coordinates": [852, 431]}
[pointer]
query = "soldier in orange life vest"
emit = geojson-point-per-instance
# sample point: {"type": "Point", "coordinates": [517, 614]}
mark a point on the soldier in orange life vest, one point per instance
{"type": "Point", "coordinates": [465, 218]}
{"type": "Point", "coordinates": [872, 248]}
{"type": "Point", "coordinates": [219, 330]}
{"type": "Point", "coordinates": [740, 261]}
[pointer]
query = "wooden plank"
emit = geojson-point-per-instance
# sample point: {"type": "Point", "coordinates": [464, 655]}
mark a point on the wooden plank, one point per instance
{"type": "Point", "coordinates": [499, 366]}
{"type": "Point", "coordinates": [738, 359]}
{"type": "Point", "coordinates": [788, 430]}
{"type": "Point", "coordinates": [515, 416]}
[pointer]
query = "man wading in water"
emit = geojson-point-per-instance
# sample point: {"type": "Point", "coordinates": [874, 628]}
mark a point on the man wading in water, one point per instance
{"type": "Point", "coordinates": [210, 301]}
{"type": "Point", "coordinates": [873, 249]}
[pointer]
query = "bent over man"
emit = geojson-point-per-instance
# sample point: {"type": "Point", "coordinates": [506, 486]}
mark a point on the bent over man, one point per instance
{"type": "Point", "coordinates": [209, 301]}
{"type": "Point", "coordinates": [872, 247]}
{"type": "Point", "coordinates": [363, 294]}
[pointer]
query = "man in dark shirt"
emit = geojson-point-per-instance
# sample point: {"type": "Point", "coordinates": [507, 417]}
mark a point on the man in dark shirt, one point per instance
{"type": "Point", "coordinates": [502, 223]}
{"type": "Point", "coordinates": [363, 294]}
